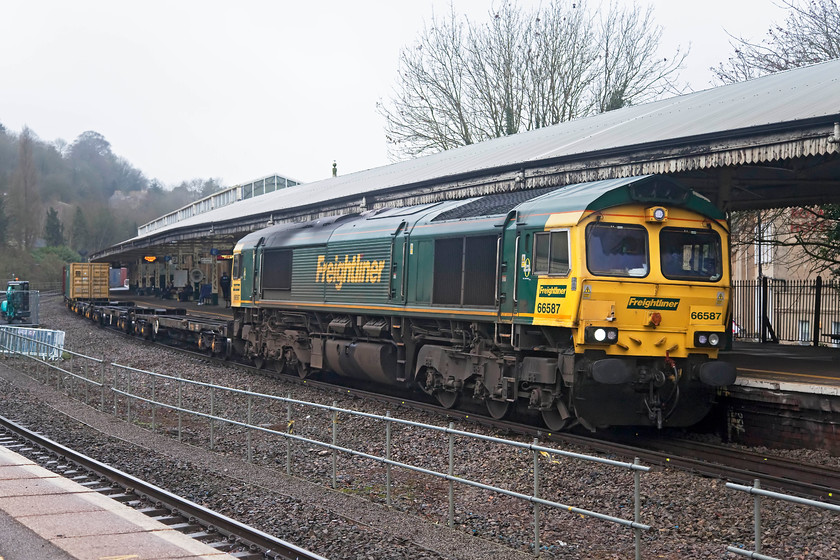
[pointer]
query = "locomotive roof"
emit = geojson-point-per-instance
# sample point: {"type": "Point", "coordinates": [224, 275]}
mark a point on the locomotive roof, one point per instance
{"type": "Point", "coordinates": [598, 195]}
{"type": "Point", "coordinates": [581, 198]}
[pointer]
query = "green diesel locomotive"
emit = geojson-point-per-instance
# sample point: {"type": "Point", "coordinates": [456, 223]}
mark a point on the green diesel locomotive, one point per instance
{"type": "Point", "coordinates": [601, 303]}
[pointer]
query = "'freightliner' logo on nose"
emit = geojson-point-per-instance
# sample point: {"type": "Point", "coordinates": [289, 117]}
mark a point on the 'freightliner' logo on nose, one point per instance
{"type": "Point", "coordinates": [552, 291]}
{"type": "Point", "coordinates": [658, 304]}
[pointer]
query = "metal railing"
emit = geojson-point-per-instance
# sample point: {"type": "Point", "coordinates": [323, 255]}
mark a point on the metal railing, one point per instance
{"type": "Point", "coordinates": [152, 399]}
{"type": "Point", "coordinates": [757, 493]}
{"type": "Point", "coordinates": [130, 389]}
{"type": "Point", "coordinates": [803, 311]}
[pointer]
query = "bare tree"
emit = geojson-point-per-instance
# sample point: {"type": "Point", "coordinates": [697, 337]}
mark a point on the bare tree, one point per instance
{"type": "Point", "coordinates": [431, 114]}
{"type": "Point", "coordinates": [560, 62]}
{"type": "Point", "coordinates": [463, 82]}
{"type": "Point", "coordinates": [800, 238]}
{"type": "Point", "coordinates": [810, 34]}
{"type": "Point", "coordinates": [630, 71]}
{"type": "Point", "coordinates": [25, 203]}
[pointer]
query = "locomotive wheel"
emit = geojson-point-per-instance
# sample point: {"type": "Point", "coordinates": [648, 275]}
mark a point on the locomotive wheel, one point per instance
{"type": "Point", "coordinates": [497, 409]}
{"type": "Point", "coordinates": [278, 365]}
{"type": "Point", "coordinates": [557, 417]}
{"type": "Point", "coordinates": [259, 362]}
{"type": "Point", "coordinates": [303, 370]}
{"type": "Point", "coordinates": [447, 399]}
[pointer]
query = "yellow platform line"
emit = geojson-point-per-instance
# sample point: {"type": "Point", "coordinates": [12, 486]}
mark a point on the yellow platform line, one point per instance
{"type": "Point", "coordinates": [789, 373]}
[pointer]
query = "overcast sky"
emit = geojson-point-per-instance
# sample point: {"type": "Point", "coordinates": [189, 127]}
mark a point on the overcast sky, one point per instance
{"type": "Point", "coordinates": [240, 90]}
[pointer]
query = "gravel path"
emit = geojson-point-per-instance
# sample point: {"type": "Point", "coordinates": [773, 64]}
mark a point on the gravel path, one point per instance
{"type": "Point", "coordinates": [692, 517]}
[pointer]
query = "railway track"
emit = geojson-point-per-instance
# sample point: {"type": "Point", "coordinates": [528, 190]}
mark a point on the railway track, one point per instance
{"type": "Point", "coordinates": [715, 461]}
{"type": "Point", "coordinates": [216, 530]}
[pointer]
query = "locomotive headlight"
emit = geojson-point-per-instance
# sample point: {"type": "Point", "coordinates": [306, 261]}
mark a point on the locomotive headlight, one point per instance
{"type": "Point", "coordinates": [600, 335]}
{"type": "Point", "coordinates": [707, 339]}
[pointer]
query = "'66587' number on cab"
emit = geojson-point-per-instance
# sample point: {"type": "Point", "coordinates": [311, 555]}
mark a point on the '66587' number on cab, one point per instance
{"type": "Point", "coordinates": [548, 308]}
{"type": "Point", "coordinates": [705, 316]}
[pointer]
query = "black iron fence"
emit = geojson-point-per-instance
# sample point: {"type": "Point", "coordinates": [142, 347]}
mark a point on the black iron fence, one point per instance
{"type": "Point", "coordinates": [803, 311]}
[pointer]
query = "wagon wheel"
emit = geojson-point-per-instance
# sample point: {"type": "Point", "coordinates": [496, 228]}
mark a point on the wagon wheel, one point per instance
{"type": "Point", "coordinates": [497, 409]}
{"type": "Point", "coordinates": [557, 417]}
{"type": "Point", "coordinates": [209, 350]}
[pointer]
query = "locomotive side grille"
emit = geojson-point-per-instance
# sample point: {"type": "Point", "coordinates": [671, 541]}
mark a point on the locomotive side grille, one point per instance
{"type": "Point", "coordinates": [449, 261]}
{"type": "Point", "coordinates": [464, 271]}
{"type": "Point", "coordinates": [479, 273]}
{"type": "Point", "coordinates": [277, 270]}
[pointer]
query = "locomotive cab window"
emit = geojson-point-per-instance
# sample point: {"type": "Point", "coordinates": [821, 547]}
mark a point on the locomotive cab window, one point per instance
{"type": "Point", "coordinates": [237, 266]}
{"type": "Point", "coordinates": [617, 250]}
{"type": "Point", "coordinates": [689, 254]}
{"type": "Point", "coordinates": [551, 253]}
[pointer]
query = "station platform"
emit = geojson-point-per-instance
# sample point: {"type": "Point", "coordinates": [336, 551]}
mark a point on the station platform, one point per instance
{"type": "Point", "coordinates": [786, 367]}
{"type": "Point", "coordinates": [785, 396]}
{"type": "Point", "coordinates": [44, 515]}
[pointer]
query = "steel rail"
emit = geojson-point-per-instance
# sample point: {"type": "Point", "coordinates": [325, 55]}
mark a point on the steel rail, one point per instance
{"type": "Point", "coordinates": [271, 546]}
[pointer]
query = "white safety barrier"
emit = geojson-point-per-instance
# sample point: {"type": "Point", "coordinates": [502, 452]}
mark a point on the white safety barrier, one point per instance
{"type": "Point", "coordinates": [46, 344]}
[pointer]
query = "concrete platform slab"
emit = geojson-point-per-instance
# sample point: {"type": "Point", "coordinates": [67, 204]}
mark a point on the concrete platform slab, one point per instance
{"type": "Point", "coordinates": [44, 515]}
{"type": "Point", "coordinates": [19, 506]}
{"type": "Point", "coordinates": [137, 546]}
{"type": "Point", "coordinates": [39, 486]}
{"type": "Point", "coordinates": [14, 472]}
{"type": "Point", "coordinates": [9, 458]}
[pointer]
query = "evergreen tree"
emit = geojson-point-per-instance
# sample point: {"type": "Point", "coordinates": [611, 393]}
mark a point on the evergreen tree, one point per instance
{"type": "Point", "coordinates": [54, 229]}
{"type": "Point", "coordinates": [25, 203]}
{"type": "Point", "coordinates": [4, 221]}
{"type": "Point", "coordinates": [79, 236]}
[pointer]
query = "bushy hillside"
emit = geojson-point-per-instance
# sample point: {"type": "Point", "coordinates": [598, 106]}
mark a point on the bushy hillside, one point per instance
{"type": "Point", "coordinates": [60, 201]}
